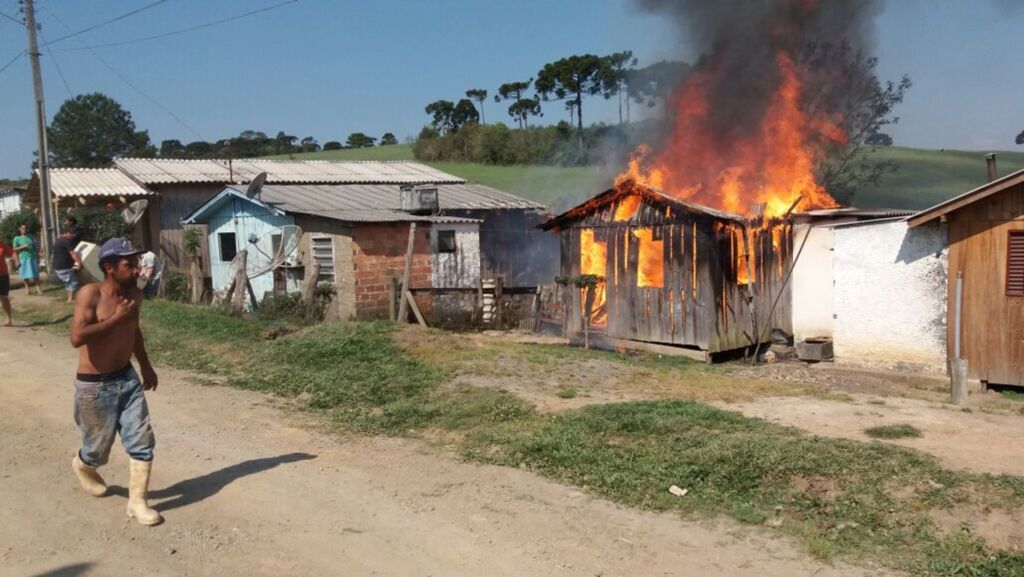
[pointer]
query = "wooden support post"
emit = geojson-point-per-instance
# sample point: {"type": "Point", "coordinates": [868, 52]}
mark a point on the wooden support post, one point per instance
{"type": "Point", "coordinates": [497, 303]}
{"type": "Point", "coordinates": [536, 308]}
{"type": "Point", "coordinates": [196, 276]}
{"type": "Point", "coordinates": [958, 380]}
{"type": "Point", "coordinates": [415, 308]}
{"type": "Point", "coordinates": [309, 289]}
{"type": "Point", "coordinates": [403, 303]}
{"type": "Point", "coordinates": [238, 285]}
{"type": "Point", "coordinates": [394, 295]}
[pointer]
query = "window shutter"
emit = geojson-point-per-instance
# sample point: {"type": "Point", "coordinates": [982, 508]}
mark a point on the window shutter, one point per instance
{"type": "Point", "coordinates": [1015, 264]}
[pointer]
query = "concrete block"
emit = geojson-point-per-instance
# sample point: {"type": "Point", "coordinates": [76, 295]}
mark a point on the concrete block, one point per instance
{"type": "Point", "coordinates": [815, 350]}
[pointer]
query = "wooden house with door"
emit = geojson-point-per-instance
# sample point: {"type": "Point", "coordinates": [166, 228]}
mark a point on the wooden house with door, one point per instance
{"type": "Point", "coordinates": [986, 252]}
{"type": "Point", "coordinates": [676, 273]}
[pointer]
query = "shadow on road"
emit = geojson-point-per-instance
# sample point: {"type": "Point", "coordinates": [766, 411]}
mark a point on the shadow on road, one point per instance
{"type": "Point", "coordinates": [67, 571]}
{"type": "Point", "coordinates": [47, 323]}
{"type": "Point", "coordinates": [193, 490]}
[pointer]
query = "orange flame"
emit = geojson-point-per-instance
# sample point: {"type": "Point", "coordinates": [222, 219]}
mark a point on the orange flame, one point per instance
{"type": "Point", "coordinates": [773, 166]}
{"type": "Point", "coordinates": [593, 256]}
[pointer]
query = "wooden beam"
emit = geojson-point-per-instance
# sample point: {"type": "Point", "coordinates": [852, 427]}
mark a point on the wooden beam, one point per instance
{"type": "Point", "coordinates": [403, 303]}
{"type": "Point", "coordinates": [415, 308]}
{"type": "Point", "coordinates": [238, 296]}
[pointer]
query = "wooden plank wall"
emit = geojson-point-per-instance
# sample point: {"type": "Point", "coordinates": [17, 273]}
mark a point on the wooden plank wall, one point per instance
{"type": "Point", "coordinates": [700, 303]}
{"type": "Point", "coordinates": [992, 323]}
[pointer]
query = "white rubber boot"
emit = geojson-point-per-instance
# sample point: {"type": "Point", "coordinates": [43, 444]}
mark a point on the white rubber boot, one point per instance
{"type": "Point", "coordinates": [88, 477]}
{"type": "Point", "coordinates": [138, 493]}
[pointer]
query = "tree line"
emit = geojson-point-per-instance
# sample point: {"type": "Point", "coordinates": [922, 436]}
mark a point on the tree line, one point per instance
{"type": "Point", "coordinates": [570, 80]}
{"type": "Point", "coordinates": [91, 130]}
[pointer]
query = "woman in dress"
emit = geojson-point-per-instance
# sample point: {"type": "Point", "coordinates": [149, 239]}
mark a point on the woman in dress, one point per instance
{"type": "Point", "coordinates": [28, 259]}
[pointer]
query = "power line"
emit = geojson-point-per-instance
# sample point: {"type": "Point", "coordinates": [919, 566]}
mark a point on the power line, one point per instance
{"type": "Point", "coordinates": [111, 21]}
{"type": "Point", "coordinates": [12, 61]}
{"type": "Point", "coordinates": [129, 82]}
{"type": "Point", "coordinates": [56, 64]}
{"type": "Point", "coordinates": [189, 29]}
{"type": "Point", "coordinates": [12, 19]}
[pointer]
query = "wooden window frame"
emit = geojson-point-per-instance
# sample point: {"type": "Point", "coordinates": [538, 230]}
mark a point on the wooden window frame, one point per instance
{"type": "Point", "coordinates": [221, 246]}
{"type": "Point", "coordinates": [446, 249]}
{"type": "Point", "coordinates": [1009, 243]}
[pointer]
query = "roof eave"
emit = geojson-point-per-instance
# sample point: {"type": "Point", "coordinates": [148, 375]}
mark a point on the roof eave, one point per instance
{"type": "Point", "coordinates": [956, 203]}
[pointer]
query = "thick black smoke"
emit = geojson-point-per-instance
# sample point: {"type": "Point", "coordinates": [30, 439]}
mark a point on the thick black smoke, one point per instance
{"type": "Point", "coordinates": [739, 41]}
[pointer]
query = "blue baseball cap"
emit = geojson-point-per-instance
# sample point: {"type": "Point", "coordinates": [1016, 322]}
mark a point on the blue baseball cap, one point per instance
{"type": "Point", "coordinates": [118, 247]}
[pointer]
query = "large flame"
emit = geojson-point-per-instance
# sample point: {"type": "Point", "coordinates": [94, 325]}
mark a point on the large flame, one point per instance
{"type": "Point", "coordinates": [772, 165]}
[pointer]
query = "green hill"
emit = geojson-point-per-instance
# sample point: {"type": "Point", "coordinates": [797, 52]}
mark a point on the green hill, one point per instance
{"type": "Point", "coordinates": [924, 178]}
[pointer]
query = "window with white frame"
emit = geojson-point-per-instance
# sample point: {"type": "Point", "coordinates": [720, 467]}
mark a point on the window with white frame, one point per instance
{"type": "Point", "coordinates": [323, 254]}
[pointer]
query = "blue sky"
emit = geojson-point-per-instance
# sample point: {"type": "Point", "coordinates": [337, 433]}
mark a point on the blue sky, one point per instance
{"type": "Point", "coordinates": [325, 68]}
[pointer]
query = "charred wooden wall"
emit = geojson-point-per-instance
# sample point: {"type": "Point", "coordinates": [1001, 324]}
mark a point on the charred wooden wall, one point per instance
{"type": "Point", "coordinates": [700, 302]}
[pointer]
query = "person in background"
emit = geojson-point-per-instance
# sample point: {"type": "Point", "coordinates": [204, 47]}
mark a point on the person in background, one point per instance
{"type": "Point", "coordinates": [28, 259]}
{"type": "Point", "coordinates": [149, 277]}
{"type": "Point", "coordinates": [5, 281]}
{"type": "Point", "coordinates": [66, 261]}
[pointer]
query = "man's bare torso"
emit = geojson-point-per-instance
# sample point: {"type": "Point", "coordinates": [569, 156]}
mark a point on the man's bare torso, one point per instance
{"type": "Point", "coordinates": [114, 351]}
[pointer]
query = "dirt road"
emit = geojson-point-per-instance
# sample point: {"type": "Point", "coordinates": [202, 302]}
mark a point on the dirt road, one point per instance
{"type": "Point", "coordinates": [249, 488]}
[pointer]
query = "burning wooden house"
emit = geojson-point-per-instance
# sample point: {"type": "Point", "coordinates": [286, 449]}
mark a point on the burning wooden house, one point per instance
{"type": "Point", "coordinates": [674, 272]}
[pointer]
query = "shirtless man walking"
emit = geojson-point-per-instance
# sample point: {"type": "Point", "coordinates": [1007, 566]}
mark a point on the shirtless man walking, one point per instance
{"type": "Point", "coordinates": [109, 396]}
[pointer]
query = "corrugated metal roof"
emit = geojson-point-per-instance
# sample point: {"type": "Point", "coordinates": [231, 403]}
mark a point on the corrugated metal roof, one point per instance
{"type": "Point", "coordinates": [305, 198]}
{"type": "Point", "coordinates": [73, 182]}
{"type": "Point", "coordinates": [382, 216]}
{"type": "Point", "coordinates": [856, 212]}
{"type": "Point", "coordinates": [165, 171]}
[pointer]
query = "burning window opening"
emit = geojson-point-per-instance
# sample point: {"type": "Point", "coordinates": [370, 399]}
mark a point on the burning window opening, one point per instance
{"type": "Point", "coordinates": [593, 260]}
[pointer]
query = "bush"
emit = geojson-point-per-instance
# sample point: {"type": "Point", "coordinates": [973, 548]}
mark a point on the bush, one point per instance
{"type": "Point", "coordinates": [176, 286]}
{"type": "Point", "coordinates": [10, 223]}
{"type": "Point", "coordinates": [98, 224]}
{"type": "Point", "coordinates": [290, 306]}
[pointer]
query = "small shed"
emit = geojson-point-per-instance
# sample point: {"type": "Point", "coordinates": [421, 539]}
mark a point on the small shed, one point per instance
{"type": "Point", "coordinates": [676, 273]}
{"type": "Point", "coordinates": [10, 201]}
{"type": "Point", "coordinates": [357, 233]}
{"type": "Point", "coordinates": [103, 187]}
{"type": "Point", "coordinates": [986, 259]}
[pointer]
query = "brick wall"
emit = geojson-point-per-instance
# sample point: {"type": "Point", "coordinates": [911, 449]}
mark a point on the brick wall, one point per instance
{"type": "Point", "coordinates": [378, 255]}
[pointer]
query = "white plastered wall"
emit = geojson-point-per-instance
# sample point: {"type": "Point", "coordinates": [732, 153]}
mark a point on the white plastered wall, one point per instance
{"type": "Point", "coordinates": [889, 297]}
{"type": "Point", "coordinates": [812, 283]}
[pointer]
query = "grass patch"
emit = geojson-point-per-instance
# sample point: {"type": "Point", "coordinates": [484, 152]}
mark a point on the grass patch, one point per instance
{"type": "Point", "coordinates": [1017, 396]}
{"type": "Point", "coordinates": [566, 393]}
{"type": "Point", "coordinates": [840, 498]}
{"type": "Point", "coordinates": [893, 432]}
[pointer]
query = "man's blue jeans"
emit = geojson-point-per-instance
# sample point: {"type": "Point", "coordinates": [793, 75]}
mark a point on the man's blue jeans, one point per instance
{"type": "Point", "coordinates": [113, 406]}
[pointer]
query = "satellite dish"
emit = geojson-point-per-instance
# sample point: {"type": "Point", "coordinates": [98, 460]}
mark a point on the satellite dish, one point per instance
{"type": "Point", "coordinates": [134, 211]}
{"type": "Point", "coordinates": [256, 185]}
{"type": "Point", "coordinates": [262, 254]}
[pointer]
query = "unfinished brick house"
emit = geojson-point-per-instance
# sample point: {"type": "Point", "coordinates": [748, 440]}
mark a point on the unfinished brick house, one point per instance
{"type": "Point", "coordinates": [359, 235]}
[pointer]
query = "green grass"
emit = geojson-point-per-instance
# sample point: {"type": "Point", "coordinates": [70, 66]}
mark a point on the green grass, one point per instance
{"type": "Point", "coordinates": [566, 393]}
{"type": "Point", "coordinates": [840, 498]}
{"type": "Point", "coordinates": [893, 432]}
{"type": "Point", "coordinates": [925, 177]}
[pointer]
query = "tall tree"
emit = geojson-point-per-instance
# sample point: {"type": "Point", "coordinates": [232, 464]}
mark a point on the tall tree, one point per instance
{"type": "Point", "coordinates": [524, 108]}
{"type": "Point", "coordinates": [1020, 138]}
{"type": "Point", "coordinates": [91, 130]}
{"type": "Point", "coordinates": [360, 140]}
{"type": "Point", "coordinates": [172, 149]}
{"type": "Point", "coordinates": [572, 77]}
{"type": "Point", "coordinates": [514, 91]}
{"type": "Point", "coordinates": [309, 144]}
{"type": "Point", "coordinates": [284, 143]}
{"type": "Point", "coordinates": [441, 111]}
{"type": "Point", "coordinates": [198, 149]}
{"type": "Point", "coordinates": [656, 83]}
{"type": "Point", "coordinates": [865, 107]}
{"type": "Point", "coordinates": [570, 105]}
{"type": "Point", "coordinates": [479, 95]}
{"type": "Point", "coordinates": [464, 113]}
{"type": "Point", "coordinates": [332, 145]}
{"type": "Point", "coordinates": [388, 139]}
{"type": "Point", "coordinates": [615, 77]}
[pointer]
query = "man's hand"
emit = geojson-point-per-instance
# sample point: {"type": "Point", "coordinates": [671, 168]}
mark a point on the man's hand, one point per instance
{"type": "Point", "coordinates": [149, 378]}
{"type": "Point", "coordinates": [123, 311]}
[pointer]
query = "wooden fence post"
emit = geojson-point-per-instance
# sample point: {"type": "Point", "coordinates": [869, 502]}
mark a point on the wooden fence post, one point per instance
{"type": "Point", "coordinates": [309, 289]}
{"type": "Point", "coordinates": [238, 297]}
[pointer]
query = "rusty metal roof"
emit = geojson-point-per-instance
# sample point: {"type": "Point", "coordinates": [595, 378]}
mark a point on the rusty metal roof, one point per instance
{"type": "Point", "coordinates": [856, 212]}
{"type": "Point", "coordinates": [74, 182]}
{"type": "Point", "coordinates": [348, 203]}
{"type": "Point", "coordinates": [167, 171]}
{"type": "Point", "coordinates": [358, 197]}
{"type": "Point", "coordinates": [655, 195]}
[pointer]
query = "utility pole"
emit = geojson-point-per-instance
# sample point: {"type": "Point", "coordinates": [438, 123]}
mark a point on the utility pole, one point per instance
{"type": "Point", "coordinates": [47, 234]}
